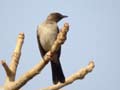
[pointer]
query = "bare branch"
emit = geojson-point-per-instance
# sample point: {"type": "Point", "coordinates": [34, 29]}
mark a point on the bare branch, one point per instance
{"type": "Point", "coordinates": [37, 68]}
{"type": "Point", "coordinates": [16, 55]}
{"type": "Point", "coordinates": [7, 69]}
{"type": "Point", "coordinates": [78, 75]}
{"type": "Point", "coordinates": [12, 84]}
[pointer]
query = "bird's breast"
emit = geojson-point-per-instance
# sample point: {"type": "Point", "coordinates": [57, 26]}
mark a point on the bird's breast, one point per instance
{"type": "Point", "coordinates": [48, 34]}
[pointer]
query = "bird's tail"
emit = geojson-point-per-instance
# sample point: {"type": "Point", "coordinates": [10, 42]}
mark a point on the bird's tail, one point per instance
{"type": "Point", "coordinates": [57, 73]}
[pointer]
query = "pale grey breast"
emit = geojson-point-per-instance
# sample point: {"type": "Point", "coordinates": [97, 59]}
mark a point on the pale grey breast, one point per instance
{"type": "Point", "coordinates": [48, 33]}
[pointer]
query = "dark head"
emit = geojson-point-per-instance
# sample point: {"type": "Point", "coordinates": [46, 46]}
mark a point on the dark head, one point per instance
{"type": "Point", "coordinates": [55, 17]}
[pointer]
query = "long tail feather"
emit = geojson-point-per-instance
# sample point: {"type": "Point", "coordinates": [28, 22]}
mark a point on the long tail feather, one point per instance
{"type": "Point", "coordinates": [57, 72]}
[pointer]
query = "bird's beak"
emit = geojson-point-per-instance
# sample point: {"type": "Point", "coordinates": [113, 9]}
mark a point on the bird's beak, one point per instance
{"type": "Point", "coordinates": [64, 16]}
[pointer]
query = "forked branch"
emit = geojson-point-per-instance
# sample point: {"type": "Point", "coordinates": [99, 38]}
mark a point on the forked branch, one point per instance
{"type": "Point", "coordinates": [12, 84]}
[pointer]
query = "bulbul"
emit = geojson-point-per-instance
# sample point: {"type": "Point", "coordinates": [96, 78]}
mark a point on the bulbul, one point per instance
{"type": "Point", "coordinates": [46, 35]}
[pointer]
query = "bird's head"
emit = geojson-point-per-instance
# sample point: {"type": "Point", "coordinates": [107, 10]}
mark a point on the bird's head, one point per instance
{"type": "Point", "coordinates": [55, 17]}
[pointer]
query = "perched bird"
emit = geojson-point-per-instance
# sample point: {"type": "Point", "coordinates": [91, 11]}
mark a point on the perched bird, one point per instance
{"type": "Point", "coordinates": [46, 35]}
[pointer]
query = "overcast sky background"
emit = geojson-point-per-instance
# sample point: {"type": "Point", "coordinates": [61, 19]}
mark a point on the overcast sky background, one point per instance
{"type": "Point", "coordinates": [94, 34]}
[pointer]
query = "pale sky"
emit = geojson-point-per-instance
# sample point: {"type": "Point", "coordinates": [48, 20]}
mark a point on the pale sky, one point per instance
{"type": "Point", "coordinates": [94, 34]}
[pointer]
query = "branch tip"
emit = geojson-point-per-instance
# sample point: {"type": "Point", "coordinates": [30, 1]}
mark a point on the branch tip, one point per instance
{"type": "Point", "coordinates": [66, 24]}
{"type": "Point", "coordinates": [21, 35]}
{"type": "Point", "coordinates": [2, 62]}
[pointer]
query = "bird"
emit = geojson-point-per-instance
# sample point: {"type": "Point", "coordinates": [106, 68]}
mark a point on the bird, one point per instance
{"type": "Point", "coordinates": [47, 33]}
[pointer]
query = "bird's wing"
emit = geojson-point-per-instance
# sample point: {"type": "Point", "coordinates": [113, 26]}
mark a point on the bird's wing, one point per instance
{"type": "Point", "coordinates": [59, 51]}
{"type": "Point", "coordinates": [39, 45]}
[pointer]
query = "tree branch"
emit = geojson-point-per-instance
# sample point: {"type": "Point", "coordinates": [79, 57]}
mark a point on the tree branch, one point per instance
{"type": "Point", "coordinates": [12, 84]}
{"type": "Point", "coordinates": [78, 75]}
{"type": "Point", "coordinates": [6, 68]}
{"type": "Point", "coordinates": [16, 56]}
{"type": "Point", "coordinates": [37, 68]}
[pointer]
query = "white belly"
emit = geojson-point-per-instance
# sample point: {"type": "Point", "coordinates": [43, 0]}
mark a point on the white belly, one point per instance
{"type": "Point", "coordinates": [48, 36]}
